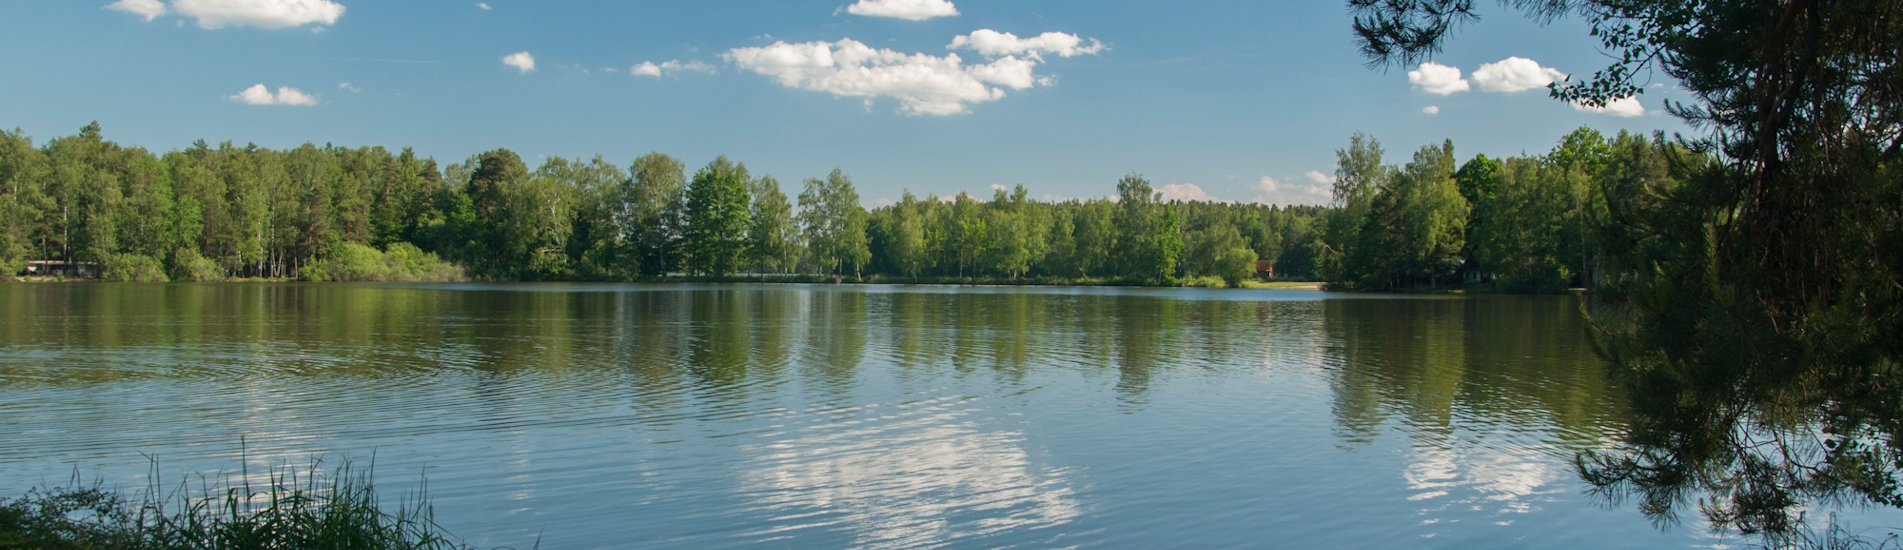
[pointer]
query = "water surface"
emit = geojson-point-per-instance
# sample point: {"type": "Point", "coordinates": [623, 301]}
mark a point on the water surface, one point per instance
{"type": "Point", "coordinates": [714, 416]}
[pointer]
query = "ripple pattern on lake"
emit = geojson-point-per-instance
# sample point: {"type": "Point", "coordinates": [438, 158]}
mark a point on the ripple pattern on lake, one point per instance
{"type": "Point", "coordinates": [889, 417]}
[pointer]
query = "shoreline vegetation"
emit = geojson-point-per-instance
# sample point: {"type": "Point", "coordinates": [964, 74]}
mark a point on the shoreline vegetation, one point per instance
{"type": "Point", "coordinates": [781, 278]}
{"type": "Point", "coordinates": [285, 507]}
{"type": "Point", "coordinates": [81, 206]}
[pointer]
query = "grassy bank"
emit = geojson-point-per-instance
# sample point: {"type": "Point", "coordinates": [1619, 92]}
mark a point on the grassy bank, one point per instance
{"type": "Point", "coordinates": [297, 508]}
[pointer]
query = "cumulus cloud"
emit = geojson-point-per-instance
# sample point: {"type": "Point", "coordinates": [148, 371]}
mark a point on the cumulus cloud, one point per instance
{"type": "Point", "coordinates": [1187, 192]}
{"type": "Point", "coordinates": [1431, 109]}
{"type": "Point", "coordinates": [1266, 189]}
{"type": "Point", "coordinates": [1515, 74]}
{"type": "Point", "coordinates": [671, 66]}
{"type": "Point", "coordinates": [484, 6]}
{"type": "Point", "coordinates": [348, 87]}
{"type": "Point", "coordinates": [522, 61]}
{"type": "Point", "coordinates": [149, 9]}
{"type": "Point", "coordinates": [923, 84]}
{"type": "Point", "coordinates": [1315, 190]}
{"type": "Point", "coordinates": [258, 94]}
{"type": "Point", "coordinates": [990, 43]}
{"type": "Point", "coordinates": [1626, 107]}
{"type": "Point", "coordinates": [910, 10]}
{"type": "Point", "coordinates": [263, 14]}
{"type": "Point", "coordinates": [1438, 79]}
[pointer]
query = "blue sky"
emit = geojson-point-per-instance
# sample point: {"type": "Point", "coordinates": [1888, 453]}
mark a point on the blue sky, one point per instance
{"type": "Point", "coordinates": [1063, 96]}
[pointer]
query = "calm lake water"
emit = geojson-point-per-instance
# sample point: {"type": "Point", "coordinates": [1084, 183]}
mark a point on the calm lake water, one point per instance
{"type": "Point", "coordinates": [826, 416]}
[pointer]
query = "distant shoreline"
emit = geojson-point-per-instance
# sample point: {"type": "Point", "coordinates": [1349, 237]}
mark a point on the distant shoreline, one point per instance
{"type": "Point", "coordinates": [782, 279]}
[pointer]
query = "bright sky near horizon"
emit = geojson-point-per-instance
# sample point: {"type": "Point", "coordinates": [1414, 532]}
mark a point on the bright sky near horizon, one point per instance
{"type": "Point", "coordinates": [1231, 100]}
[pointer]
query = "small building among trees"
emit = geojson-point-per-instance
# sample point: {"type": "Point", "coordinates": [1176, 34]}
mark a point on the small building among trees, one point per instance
{"type": "Point", "coordinates": [48, 268]}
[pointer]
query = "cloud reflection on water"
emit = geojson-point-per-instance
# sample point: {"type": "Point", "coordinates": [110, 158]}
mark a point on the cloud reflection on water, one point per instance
{"type": "Point", "coordinates": [921, 474]}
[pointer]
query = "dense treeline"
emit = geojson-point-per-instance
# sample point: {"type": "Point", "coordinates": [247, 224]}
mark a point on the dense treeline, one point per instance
{"type": "Point", "coordinates": [333, 213]}
{"type": "Point", "coordinates": [1527, 224]}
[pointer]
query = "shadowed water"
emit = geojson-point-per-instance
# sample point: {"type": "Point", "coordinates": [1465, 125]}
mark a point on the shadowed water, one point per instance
{"type": "Point", "coordinates": [708, 416]}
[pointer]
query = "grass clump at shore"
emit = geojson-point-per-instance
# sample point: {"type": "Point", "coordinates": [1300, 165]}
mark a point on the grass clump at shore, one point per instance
{"type": "Point", "coordinates": [309, 508]}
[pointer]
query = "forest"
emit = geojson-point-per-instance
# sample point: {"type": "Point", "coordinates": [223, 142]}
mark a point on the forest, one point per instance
{"type": "Point", "coordinates": [329, 213]}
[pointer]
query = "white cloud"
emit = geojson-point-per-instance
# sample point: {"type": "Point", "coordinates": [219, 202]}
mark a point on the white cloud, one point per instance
{"type": "Point", "coordinates": [1185, 192]}
{"type": "Point", "coordinates": [149, 9]}
{"type": "Point", "coordinates": [263, 14]}
{"type": "Point", "coordinates": [1266, 189]}
{"type": "Point", "coordinates": [911, 10]}
{"type": "Point", "coordinates": [1314, 191]}
{"type": "Point", "coordinates": [990, 43]}
{"type": "Point", "coordinates": [1011, 72]}
{"type": "Point", "coordinates": [1431, 109]}
{"type": "Point", "coordinates": [881, 202]}
{"type": "Point", "coordinates": [1515, 74]}
{"type": "Point", "coordinates": [1627, 107]}
{"type": "Point", "coordinates": [999, 187]}
{"type": "Point", "coordinates": [671, 66]}
{"type": "Point", "coordinates": [258, 94]}
{"type": "Point", "coordinates": [348, 87]}
{"type": "Point", "coordinates": [484, 6]}
{"type": "Point", "coordinates": [522, 61]}
{"type": "Point", "coordinates": [1435, 78]}
{"type": "Point", "coordinates": [923, 84]}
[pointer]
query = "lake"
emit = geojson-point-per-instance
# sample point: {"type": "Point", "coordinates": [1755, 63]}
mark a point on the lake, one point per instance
{"type": "Point", "coordinates": [825, 416]}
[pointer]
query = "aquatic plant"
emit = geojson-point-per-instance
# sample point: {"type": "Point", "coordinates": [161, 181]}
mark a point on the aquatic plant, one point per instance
{"type": "Point", "coordinates": [306, 508]}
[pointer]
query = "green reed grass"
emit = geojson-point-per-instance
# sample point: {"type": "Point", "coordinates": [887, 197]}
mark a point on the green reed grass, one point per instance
{"type": "Point", "coordinates": [303, 508]}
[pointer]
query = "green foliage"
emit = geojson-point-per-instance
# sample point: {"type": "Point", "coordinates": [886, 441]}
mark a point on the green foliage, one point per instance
{"type": "Point", "coordinates": [1517, 242]}
{"type": "Point", "coordinates": [135, 268]}
{"type": "Point", "coordinates": [1235, 266]}
{"type": "Point", "coordinates": [498, 177]}
{"type": "Point", "coordinates": [299, 509]}
{"type": "Point", "coordinates": [402, 262]}
{"type": "Point", "coordinates": [1479, 180]}
{"type": "Point", "coordinates": [189, 266]}
{"type": "Point", "coordinates": [1014, 236]}
{"type": "Point", "coordinates": [1415, 219]}
{"type": "Point", "coordinates": [1359, 177]}
{"type": "Point", "coordinates": [650, 213]}
{"type": "Point", "coordinates": [897, 237]}
{"type": "Point", "coordinates": [1208, 249]}
{"type": "Point", "coordinates": [595, 244]}
{"type": "Point", "coordinates": [216, 211]}
{"type": "Point", "coordinates": [22, 173]}
{"type": "Point", "coordinates": [1751, 294]}
{"type": "Point", "coordinates": [772, 236]}
{"type": "Point", "coordinates": [715, 235]}
{"type": "Point", "coordinates": [835, 225]}
{"type": "Point", "coordinates": [1148, 233]}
